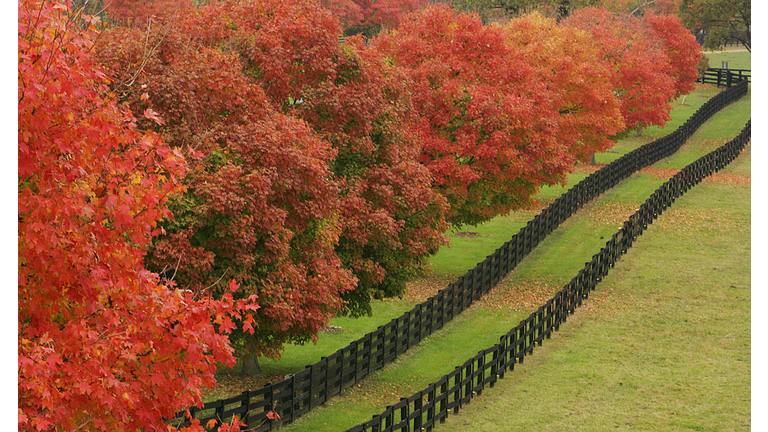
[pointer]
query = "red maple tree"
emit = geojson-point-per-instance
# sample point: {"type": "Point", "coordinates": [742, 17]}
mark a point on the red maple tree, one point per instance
{"type": "Point", "coordinates": [567, 60]}
{"type": "Point", "coordinates": [683, 52]}
{"type": "Point", "coordinates": [103, 344]}
{"type": "Point", "coordinates": [390, 218]}
{"type": "Point", "coordinates": [643, 75]}
{"type": "Point", "coordinates": [487, 124]}
{"type": "Point", "coordinates": [260, 205]}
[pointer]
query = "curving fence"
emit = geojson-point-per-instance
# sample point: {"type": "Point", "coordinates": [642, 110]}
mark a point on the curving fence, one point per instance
{"type": "Point", "coordinates": [313, 386]}
{"type": "Point", "coordinates": [421, 410]}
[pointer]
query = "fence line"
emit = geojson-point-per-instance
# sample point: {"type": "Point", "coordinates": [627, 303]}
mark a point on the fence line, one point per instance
{"type": "Point", "coordinates": [313, 386]}
{"type": "Point", "coordinates": [725, 77]}
{"type": "Point", "coordinates": [432, 404]}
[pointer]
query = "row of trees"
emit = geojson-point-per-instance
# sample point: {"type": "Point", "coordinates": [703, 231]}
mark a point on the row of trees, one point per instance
{"type": "Point", "coordinates": [204, 182]}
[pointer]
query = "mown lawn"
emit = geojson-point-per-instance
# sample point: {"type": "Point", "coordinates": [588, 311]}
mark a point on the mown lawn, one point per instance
{"type": "Point", "coordinates": [664, 344]}
{"type": "Point", "coordinates": [735, 59]}
{"type": "Point", "coordinates": [655, 317]}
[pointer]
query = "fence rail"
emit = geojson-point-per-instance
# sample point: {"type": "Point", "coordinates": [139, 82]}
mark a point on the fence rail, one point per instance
{"type": "Point", "coordinates": [726, 77]}
{"type": "Point", "coordinates": [313, 386]}
{"type": "Point", "coordinates": [423, 409]}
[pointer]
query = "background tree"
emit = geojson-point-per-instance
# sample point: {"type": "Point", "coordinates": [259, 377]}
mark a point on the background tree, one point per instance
{"type": "Point", "coordinates": [562, 8]}
{"type": "Point", "coordinates": [642, 74]}
{"type": "Point", "coordinates": [681, 47]}
{"type": "Point", "coordinates": [701, 68]}
{"type": "Point", "coordinates": [261, 205]}
{"type": "Point", "coordinates": [569, 63]}
{"type": "Point", "coordinates": [632, 7]}
{"type": "Point", "coordinates": [103, 344]}
{"type": "Point", "coordinates": [724, 21]}
{"type": "Point", "coordinates": [137, 13]}
{"type": "Point", "coordinates": [487, 124]}
{"type": "Point", "coordinates": [390, 217]}
{"type": "Point", "coordinates": [368, 17]}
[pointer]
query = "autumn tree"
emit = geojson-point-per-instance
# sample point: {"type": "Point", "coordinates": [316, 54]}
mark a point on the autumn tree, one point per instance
{"type": "Point", "coordinates": [682, 50]}
{"type": "Point", "coordinates": [390, 217]}
{"type": "Point", "coordinates": [102, 343]}
{"type": "Point", "coordinates": [724, 21]}
{"type": "Point", "coordinates": [569, 63]}
{"type": "Point", "coordinates": [643, 76]}
{"type": "Point", "coordinates": [487, 123]}
{"type": "Point", "coordinates": [260, 205]}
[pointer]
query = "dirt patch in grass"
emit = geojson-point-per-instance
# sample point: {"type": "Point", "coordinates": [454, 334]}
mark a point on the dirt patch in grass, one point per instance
{"type": "Point", "coordinates": [730, 180]}
{"type": "Point", "coordinates": [467, 234]}
{"type": "Point", "coordinates": [725, 179]}
{"type": "Point", "coordinates": [660, 173]}
{"type": "Point", "coordinates": [613, 213]}
{"type": "Point", "coordinates": [420, 289]}
{"type": "Point", "coordinates": [520, 294]}
{"type": "Point", "coordinates": [684, 220]}
{"type": "Point", "coordinates": [587, 168]}
{"type": "Point", "coordinates": [607, 302]}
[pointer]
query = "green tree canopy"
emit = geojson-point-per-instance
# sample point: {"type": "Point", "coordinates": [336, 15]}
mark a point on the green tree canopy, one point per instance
{"type": "Point", "coordinates": [723, 20]}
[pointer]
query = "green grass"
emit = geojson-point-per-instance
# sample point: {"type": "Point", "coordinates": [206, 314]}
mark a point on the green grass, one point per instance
{"type": "Point", "coordinates": [736, 60]}
{"type": "Point", "coordinates": [460, 339]}
{"type": "Point", "coordinates": [663, 344]}
{"type": "Point", "coordinates": [551, 265]}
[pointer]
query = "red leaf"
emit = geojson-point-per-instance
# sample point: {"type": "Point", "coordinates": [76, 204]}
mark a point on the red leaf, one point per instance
{"type": "Point", "coordinates": [152, 115]}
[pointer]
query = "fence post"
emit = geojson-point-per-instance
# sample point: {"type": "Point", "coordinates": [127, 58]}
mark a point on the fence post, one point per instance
{"type": "Point", "coordinates": [405, 414]}
{"type": "Point", "coordinates": [417, 404]}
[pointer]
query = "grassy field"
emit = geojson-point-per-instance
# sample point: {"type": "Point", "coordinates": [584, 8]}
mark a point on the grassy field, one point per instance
{"type": "Point", "coordinates": [735, 59]}
{"type": "Point", "coordinates": [664, 344]}
{"type": "Point", "coordinates": [662, 315]}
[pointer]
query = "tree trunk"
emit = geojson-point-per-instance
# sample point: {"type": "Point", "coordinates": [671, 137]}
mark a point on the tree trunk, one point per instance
{"type": "Point", "coordinates": [639, 131]}
{"type": "Point", "coordinates": [251, 366]}
{"type": "Point", "coordinates": [592, 159]}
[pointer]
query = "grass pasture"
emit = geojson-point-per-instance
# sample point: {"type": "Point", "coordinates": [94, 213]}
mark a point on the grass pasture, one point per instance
{"type": "Point", "coordinates": [663, 344]}
{"type": "Point", "coordinates": [737, 59]}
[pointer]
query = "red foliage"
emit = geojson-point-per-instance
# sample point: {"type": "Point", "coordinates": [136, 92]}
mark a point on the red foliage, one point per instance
{"type": "Point", "coordinates": [349, 12]}
{"type": "Point", "coordinates": [369, 16]}
{"type": "Point", "coordinates": [102, 344]}
{"type": "Point", "coordinates": [642, 72]}
{"type": "Point", "coordinates": [683, 51]}
{"type": "Point", "coordinates": [285, 46]}
{"type": "Point", "coordinates": [487, 124]}
{"type": "Point", "coordinates": [139, 13]}
{"type": "Point", "coordinates": [390, 218]}
{"type": "Point", "coordinates": [582, 91]}
{"type": "Point", "coordinates": [260, 206]}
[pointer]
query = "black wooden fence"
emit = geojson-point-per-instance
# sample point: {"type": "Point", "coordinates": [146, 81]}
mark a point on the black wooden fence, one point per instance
{"type": "Point", "coordinates": [423, 409]}
{"type": "Point", "coordinates": [313, 386]}
{"type": "Point", "coordinates": [726, 77]}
